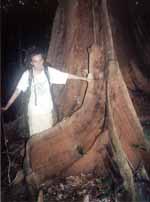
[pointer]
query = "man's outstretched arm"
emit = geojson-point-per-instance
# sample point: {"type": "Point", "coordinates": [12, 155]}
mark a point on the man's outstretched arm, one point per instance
{"type": "Point", "coordinates": [89, 78]}
{"type": "Point", "coordinates": [11, 100]}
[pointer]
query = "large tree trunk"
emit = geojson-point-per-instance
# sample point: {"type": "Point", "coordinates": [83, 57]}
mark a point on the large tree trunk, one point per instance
{"type": "Point", "coordinates": [136, 81]}
{"type": "Point", "coordinates": [97, 117]}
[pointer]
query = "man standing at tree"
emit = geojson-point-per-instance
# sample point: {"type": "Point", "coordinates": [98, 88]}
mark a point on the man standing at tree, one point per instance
{"type": "Point", "coordinates": [37, 80]}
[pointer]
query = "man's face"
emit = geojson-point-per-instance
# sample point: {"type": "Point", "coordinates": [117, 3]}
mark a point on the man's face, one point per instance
{"type": "Point", "coordinates": [37, 62]}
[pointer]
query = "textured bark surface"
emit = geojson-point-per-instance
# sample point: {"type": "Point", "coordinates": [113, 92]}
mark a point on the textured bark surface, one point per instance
{"type": "Point", "coordinates": [138, 84]}
{"type": "Point", "coordinates": [96, 116]}
{"type": "Point", "coordinates": [62, 143]}
{"type": "Point", "coordinates": [68, 51]}
{"type": "Point", "coordinates": [124, 126]}
{"type": "Point", "coordinates": [121, 112]}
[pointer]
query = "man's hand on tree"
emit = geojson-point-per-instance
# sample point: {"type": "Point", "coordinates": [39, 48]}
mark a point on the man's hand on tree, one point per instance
{"type": "Point", "coordinates": [90, 77]}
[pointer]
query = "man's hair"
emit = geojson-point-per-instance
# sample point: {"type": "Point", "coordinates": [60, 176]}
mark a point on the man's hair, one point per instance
{"type": "Point", "coordinates": [32, 51]}
{"type": "Point", "coordinates": [37, 51]}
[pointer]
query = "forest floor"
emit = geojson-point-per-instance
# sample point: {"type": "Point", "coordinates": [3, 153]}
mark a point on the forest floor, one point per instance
{"type": "Point", "coordinates": [83, 188]}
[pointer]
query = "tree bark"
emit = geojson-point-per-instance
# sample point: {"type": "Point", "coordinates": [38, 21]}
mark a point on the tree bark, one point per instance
{"type": "Point", "coordinates": [136, 82]}
{"type": "Point", "coordinates": [96, 116]}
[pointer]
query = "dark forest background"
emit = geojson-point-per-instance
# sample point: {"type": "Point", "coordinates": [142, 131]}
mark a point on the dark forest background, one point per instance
{"type": "Point", "coordinates": [25, 23]}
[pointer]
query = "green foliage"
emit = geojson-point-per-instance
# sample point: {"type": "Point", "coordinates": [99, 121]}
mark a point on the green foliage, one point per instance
{"type": "Point", "coordinates": [105, 187]}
